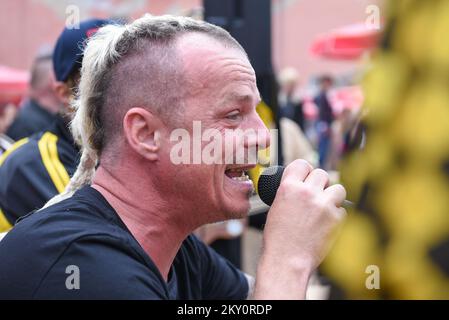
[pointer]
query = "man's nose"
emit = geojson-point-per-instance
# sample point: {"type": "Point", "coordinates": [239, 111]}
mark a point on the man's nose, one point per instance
{"type": "Point", "coordinates": [261, 138]}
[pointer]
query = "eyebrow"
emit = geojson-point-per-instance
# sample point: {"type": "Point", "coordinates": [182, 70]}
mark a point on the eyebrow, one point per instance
{"type": "Point", "coordinates": [244, 98]}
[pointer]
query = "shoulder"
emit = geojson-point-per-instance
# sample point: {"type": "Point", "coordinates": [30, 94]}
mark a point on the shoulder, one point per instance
{"type": "Point", "coordinates": [44, 248]}
{"type": "Point", "coordinates": [100, 266]}
{"type": "Point", "coordinates": [20, 160]}
{"type": "Point", "coordinates": [78, 216]}
{"type": "Point", "coordinates": [38, 147]}
{"type": "Point", "coordinates": [36, 117]}
{"type": "Point", "coordinates": [54, 228]}
{"type": "Point", "coordinates": [41, 154]}
{"type": "Point", "coordinates": [20, 147]}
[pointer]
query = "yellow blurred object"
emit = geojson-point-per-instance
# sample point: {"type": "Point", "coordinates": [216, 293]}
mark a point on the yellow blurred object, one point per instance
{"type": "Point", "coordinates": [400, 180]}
{"type": "Point", "coordinates": [413, 203]}
{"type": "Point", "coordinates": [263, 156]}
{"type": "Point", "coordinates": [422, 126]}
{"type": "Point", "coordinates": [412, 34]}
{"type": "Point", "coordinates": [379, 155]}
{"type": "Point", "coordinates": [409, 274]}
{"type": "Point", "coordinates": [356, 247]}
{"type": "Point", "coordinates": [383, 87]}
{"type": "Point", "coordinates": [439, 48]}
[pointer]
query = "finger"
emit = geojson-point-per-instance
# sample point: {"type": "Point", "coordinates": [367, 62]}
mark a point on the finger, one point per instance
{"type": "Point", "coordinates": [298, 170]}
{"type": "Point", "coordinates": [336, 194]}
{"type": "Point", "coordinates": [318, 179]}
{"type": "Point", "coordinates": [341, 213]}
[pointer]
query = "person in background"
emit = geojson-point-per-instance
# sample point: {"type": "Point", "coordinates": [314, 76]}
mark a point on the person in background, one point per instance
{"type": "Point", "coordinates": [295, 144]}
{"type": "Point", "coordinates": [342, 136]}
{"type": "Point", "coordinates": [39, 110]}
{"type": "Point", "coordinates": [7, 114]}
{"type": "Point", "coordinates": [37, 168]}
{"type": "Point", "coordinates": [290, 106]}
{"type": "Point", "coordinates": [325, 119]}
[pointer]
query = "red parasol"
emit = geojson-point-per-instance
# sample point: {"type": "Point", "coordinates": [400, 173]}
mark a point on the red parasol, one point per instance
{"type": "Point", "coordinates": [13, 85]}
{"type": "Point", "coordinates": [347, 43]}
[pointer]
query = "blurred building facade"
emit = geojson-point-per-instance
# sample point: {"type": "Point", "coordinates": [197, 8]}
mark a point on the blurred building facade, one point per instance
{"type": "Point", "coordinates": [26, 25]}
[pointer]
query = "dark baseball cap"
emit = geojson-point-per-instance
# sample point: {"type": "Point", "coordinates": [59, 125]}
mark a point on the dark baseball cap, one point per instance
{"type": "Point", "coordinates": [68, 52]}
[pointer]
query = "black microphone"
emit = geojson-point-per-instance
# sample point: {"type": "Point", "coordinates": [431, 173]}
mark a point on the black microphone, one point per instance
{"type": "Point", "coordinates": [269, 182]}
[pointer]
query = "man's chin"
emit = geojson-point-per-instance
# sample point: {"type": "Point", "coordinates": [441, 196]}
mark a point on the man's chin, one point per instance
{"type": "Point", "coordinates": [236, 202]}
{"type": "Point", "coordinates": [238, 210]}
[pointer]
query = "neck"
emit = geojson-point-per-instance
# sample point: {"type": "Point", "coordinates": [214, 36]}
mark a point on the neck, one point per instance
{"type": "Point", "coordinates": [158, 226]}
{"type": "Point", "coordinates": [46, 102]}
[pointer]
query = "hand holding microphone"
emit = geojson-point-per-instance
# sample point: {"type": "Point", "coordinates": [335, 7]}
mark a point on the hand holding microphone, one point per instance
{"type": "Point", "coordinates": [269, 182]}
{"type": "Point", "coordinates": [303, 215]}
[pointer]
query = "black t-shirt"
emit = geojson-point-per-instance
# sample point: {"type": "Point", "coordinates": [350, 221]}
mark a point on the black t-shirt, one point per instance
{"type": "Point", "coordinates": [82, 243]}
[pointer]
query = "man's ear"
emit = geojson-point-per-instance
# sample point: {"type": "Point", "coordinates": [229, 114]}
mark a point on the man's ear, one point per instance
{"type": "Point", "coordinates": [63, 92]}
{"type": "Point", "coordinates": [141, 129]}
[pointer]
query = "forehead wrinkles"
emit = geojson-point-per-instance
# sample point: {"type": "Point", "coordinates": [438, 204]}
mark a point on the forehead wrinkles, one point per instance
{"type": "Point", "coordinates": [206, 68]}
{"type": "Point", "coordinates": [236, 69]}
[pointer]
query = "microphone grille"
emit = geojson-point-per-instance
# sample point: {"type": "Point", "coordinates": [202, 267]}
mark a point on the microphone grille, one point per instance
{"type": "Point", "coordinates": [269, 182]}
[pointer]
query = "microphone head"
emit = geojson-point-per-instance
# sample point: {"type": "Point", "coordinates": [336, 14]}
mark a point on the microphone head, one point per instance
{"type": "Point", "coordinates": [269, 182]}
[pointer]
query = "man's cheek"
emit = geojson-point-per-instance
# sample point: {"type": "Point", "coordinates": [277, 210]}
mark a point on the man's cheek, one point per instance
{"type": "Point", "coordinates": [228, 147]}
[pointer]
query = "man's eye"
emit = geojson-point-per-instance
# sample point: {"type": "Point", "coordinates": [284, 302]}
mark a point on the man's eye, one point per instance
{"type": "Point", "coordinates": [234, 115]}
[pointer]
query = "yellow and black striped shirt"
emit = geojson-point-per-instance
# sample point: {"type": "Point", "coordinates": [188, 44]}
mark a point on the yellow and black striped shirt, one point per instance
{"type": "Point", "coordinates": [35, 169]}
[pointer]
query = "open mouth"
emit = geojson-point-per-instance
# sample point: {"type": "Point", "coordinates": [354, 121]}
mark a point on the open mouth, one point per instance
{"type": "Point", "coordinates": [238, 173]}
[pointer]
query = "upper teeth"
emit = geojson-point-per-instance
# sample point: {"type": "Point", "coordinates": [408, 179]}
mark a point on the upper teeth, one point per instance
{"type": "Point", "coordinates": [243, 177]}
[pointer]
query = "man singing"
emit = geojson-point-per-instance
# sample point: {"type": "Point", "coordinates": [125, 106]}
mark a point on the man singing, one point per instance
{"type": "Point", "coordinates": [122, 228]}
